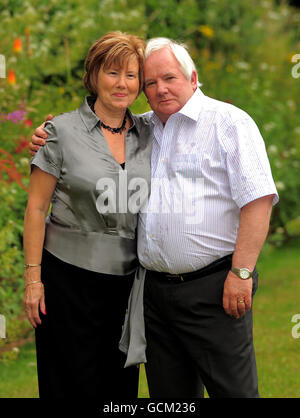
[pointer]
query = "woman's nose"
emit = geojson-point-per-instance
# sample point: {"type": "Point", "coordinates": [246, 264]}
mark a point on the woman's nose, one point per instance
{"type": "Point", "coordinates": [122, 80]}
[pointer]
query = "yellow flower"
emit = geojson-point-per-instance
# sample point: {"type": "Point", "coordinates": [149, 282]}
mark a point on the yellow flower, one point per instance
{"type": "Point", "coordinates": [206, 31]}
{"type": "Point", "coordinates": [212, 65]}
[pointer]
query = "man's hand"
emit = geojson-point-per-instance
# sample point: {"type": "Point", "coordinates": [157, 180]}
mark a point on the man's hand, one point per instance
{"type": "Point", "coordinates": [39, 137]}
{"type": "Point", "coordinates": [253, 229]}
{"type": "Point", "coordinates": [237, 290]}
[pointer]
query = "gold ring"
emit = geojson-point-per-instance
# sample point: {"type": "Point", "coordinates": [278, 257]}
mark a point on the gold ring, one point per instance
{"type": "Point", "coordinates": [241, 301]}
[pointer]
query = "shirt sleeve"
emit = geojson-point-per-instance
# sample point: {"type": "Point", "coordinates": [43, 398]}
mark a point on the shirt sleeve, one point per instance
{"type": "Point", "coordinates": [49, 157]}
{"type": "Point", "coordinates": [247, 163]}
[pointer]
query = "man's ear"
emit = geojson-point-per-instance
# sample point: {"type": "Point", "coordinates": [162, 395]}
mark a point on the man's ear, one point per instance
{"type": "Point", "coordinates": [194, 80]}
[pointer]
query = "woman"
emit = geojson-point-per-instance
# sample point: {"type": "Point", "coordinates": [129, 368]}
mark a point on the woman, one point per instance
{"type": "Point", "coordinates": [80, 268]}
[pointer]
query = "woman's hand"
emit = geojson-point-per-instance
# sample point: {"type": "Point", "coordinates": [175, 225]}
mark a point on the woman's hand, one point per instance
{"type": "Point", "coordinates": [34, 297]}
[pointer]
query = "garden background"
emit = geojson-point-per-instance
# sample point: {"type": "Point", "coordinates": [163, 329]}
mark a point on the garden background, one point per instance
{"type": "Point", "coordinates": [247, 53]}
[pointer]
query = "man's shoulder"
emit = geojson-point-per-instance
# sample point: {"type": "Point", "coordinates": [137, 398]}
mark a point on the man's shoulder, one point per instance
{"type": "Point", "coordinates": [225, 111]}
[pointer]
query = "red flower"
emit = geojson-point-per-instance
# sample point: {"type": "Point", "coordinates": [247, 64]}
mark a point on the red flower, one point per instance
{"type": "Point", "coordinates": [23, 143]}
{"type": "Point", "coordinates": [28, 122]}
{"type": "Point", "coordinates": [11, 77]}
{"type": "Point", "coordinates": [17, 45]}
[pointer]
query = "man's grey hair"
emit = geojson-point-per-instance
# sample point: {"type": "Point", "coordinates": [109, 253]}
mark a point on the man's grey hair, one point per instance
{"type": "Point", "coordinates": [179, 50]}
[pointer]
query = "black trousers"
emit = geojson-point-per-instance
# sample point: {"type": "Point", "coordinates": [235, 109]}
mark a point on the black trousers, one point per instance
{"type": "Point", "coordinates": [191, 339]}
{"type": "Point", "coordinates": [77, 342]}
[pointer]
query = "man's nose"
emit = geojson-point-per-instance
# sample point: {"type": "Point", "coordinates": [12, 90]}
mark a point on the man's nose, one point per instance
{"type": "Point", "coordinates": [161, 88]}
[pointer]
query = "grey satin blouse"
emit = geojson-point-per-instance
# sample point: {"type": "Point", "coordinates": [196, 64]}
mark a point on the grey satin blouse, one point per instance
{"type": "Point", "coordinates": [92, 224]}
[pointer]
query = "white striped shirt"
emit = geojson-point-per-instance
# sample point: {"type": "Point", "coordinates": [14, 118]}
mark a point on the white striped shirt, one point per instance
{"type": "Point", "coordinates": [208, 161]}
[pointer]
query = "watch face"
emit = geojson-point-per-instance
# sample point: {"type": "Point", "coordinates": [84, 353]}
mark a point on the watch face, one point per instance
{"type": "Point", "coordinates": [244, 274]}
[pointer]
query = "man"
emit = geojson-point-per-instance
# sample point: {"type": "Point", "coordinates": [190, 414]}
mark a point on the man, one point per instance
{"type": "Point", "coordinates": [199, 240]}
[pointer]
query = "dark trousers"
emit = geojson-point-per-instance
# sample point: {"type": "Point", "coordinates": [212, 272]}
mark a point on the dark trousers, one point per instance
{"type": "Point", "coordinates": [77, 343]}
{"type": "Point", "coordinates": [191, 339]}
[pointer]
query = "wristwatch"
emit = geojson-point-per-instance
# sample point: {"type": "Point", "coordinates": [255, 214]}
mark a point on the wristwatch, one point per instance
{"type": "Point", "coordinates": [242, 273]}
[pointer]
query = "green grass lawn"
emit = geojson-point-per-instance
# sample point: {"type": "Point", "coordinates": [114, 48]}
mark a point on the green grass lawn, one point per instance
{"type": "Point", "coordinates": [276, 302]}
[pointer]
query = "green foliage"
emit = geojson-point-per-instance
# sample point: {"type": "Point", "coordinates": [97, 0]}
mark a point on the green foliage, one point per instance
{"type": "Point", "coordinates": [242, 51]}
{"type": "Point", "coordinates": [8, 356]}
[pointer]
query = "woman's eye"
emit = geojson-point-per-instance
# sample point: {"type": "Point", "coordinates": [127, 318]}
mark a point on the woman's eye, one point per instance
{"type": "Point", "coordinates": [112, 72]}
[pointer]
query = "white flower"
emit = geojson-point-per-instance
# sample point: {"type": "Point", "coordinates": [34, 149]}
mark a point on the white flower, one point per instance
{"type": "Point", "coordinates": [280, 185]}
{"type": "Point", "coordinates": [273, 15]}
{"type": "Point", "coordinates": [293, 151]}
{"type": "Point", "coordinates": [264, 66]}
{"type": "Point", "coordinates": [24, 161]}
{"type": "Point", "coordinates": [269, 126]}
{"type": "Point", "coordinates": [272, 149]}
{"type": "Point", "coordinates": [291, 104]}
{"type": "Point", "coordinates": [297, 130]}
{"type": "Point", "coordinates": [266, 4]}
{"type": "Point", "coordinates": [243, 65]}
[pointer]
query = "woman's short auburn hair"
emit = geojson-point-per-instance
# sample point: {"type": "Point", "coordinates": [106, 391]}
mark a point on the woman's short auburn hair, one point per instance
{"type": "Point", "coordinates": [113, 48]}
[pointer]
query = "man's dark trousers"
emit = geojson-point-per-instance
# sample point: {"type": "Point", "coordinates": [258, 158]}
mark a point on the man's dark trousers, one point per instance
{"type": "Point", "coordinates": [191, 339]}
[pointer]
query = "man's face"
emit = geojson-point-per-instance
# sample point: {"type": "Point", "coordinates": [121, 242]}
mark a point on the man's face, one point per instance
{"type": "Point", "coordinates": [166, 87]}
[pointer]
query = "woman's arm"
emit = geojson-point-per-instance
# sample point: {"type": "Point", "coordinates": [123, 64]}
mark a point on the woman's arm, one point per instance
{"type": "Point", "coordinates": [41, 189]}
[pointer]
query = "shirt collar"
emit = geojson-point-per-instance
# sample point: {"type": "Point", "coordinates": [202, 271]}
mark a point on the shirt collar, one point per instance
{"type": "Point", "coordinates": [193, 106]}
{"type": "Point", "coordinates": [91, 120]}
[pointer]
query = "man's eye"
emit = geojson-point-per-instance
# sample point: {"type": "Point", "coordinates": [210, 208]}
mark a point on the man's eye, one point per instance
{"type": "Point", "coordinates": [150, 83]}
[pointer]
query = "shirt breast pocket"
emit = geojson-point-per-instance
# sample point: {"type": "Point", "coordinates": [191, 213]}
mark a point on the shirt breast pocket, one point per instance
{"type": "Point", "coordinates": [187, 189]}
{"type": "Point", "coordinates": [186, 165]}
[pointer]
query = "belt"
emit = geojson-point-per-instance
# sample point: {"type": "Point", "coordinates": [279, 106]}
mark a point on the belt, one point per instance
{"type": "Point", "coordinates": [218, 265]}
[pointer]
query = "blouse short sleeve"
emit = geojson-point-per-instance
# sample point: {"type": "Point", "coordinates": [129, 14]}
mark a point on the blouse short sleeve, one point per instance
{"type": "Point", "coordinates": [49, 157]}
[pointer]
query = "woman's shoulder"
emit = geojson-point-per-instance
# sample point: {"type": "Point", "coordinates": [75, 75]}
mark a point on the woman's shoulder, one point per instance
{"type": "Point", "coordinates": [143, 118]}
{"type": "Point", "coordinates": [142, 122]}
{"type": "Point", "coordinates": [64, 119]}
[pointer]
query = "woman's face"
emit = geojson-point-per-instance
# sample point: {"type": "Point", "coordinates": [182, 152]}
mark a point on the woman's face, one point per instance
{"type": "Point", "coordinates": [117, 88]}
